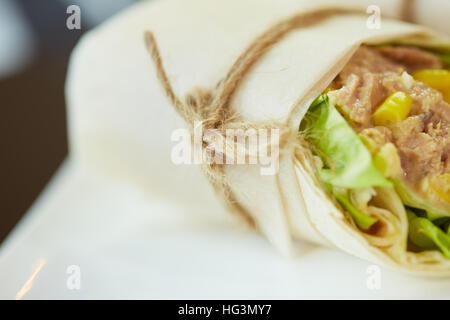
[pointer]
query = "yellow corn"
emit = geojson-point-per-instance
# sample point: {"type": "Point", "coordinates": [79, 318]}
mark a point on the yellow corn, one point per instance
{"type": "Point", "coordinates": [446, 95]}
{"type": "Point", "coordinates": [441, 186]}
{"type": "Point", "coordinates": [372, 139]}
{"type": "Point", "coordinates": [395, 108]}
{"type": "Point", "coordinates": [369, 143]}
{"type": "Point", "coordinates": [437, 79]}
{"type": "Point", "coordinates": [387, 161]}
{"type": "Point", "coordinates": [328, 89]}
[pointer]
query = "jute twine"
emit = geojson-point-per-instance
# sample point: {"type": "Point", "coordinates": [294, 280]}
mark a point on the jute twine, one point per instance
{"type": "Point", "coordinates": [213, 108]}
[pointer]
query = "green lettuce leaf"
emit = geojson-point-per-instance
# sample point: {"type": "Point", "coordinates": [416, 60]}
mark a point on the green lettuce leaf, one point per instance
{"type": "Point", "coordinates": [348, 161]}
{"type": "Point", "coordinates": [411, 199]}
{"type": "Point", "coordinates": [423, 233]}
{"type": "Point", "coordinates": [362, 220]}
{"type": "Point", "coordinates": [445, 58]}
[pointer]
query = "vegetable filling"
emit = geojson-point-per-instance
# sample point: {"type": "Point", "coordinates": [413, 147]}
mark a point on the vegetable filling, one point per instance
{"type": "Point", "coordinates": [385, 122]}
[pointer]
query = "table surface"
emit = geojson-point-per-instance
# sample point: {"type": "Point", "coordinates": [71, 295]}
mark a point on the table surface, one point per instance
{"type": "Point", "coordinates": [89, 237]}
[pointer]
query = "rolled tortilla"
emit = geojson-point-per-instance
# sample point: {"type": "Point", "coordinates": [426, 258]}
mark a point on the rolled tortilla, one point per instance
{"type": "Point", "coordinates": [121, 121]}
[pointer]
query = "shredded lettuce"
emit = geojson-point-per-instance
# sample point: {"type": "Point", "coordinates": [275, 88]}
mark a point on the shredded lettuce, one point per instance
{"type": "Point", "coordinates": [445, 58]}
{"type": "Point", "coordinates": [426, 235]}
{"type": "Point", "coordinates": [410, 198]}
{"type": "Point", "coordinates": [362, 220]}
{"type": "Point", "coordinates": [348, 162]}
{"type": "Point", "coordinates": [446, 227]}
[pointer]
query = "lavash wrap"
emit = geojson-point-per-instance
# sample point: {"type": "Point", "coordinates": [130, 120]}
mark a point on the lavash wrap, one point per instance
{"type": "Point", "coordinates": [193, 58]}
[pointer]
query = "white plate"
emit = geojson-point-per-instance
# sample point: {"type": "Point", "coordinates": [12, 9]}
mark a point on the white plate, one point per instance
{"type": "Point", "coordinates": [124, 244]}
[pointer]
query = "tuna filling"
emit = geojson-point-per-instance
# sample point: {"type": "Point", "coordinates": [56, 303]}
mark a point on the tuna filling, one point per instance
{"type": "Point", "coordinates": [422, 136]}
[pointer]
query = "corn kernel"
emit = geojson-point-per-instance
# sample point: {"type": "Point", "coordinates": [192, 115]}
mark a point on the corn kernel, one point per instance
{"type": "Point", "coordinates": [446, 95]}
{"type": "Point", "coordinates": [441, 186]}
{"type": "Point", "coordinates": [437, 79]}
{"type": "Point", "coordinates": [387, 161]}
{"type": "Point", "coordinates": [395, 108]}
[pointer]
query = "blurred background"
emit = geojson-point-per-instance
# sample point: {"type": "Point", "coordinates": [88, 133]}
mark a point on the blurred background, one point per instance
{"type": "Point", "coordinates": [35, 45]}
